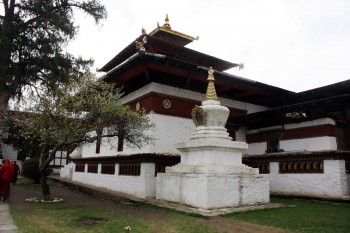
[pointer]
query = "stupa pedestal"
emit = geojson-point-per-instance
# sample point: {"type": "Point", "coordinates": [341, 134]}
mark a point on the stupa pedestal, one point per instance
{"type": "Point", "coordinates": [211, 174]}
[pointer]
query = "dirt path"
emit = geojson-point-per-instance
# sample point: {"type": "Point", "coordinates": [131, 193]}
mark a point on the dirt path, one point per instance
{"type": "Point", "coordinates": [19, 193]}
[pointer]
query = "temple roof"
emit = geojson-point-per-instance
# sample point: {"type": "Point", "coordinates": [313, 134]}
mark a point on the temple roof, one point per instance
{"type": "Point", "coordinates": [143, 67]}
{"type": "Point", "coordinates": [161, 57]}
{"type": "Point", "coordinates": [331, 101]}
{"type": "Point", "coordinates": [164, 40]}
{"type": "Point", "coordinates": [159, 46]}
{"type": "Point", "coordinates": [166, 33]}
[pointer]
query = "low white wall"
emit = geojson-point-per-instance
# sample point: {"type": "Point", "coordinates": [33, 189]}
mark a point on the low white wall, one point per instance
{"type": "Point", "coordinates": [143, 186]}
{"type": "Point", "coordinates": [67, 171]}
{"type": "Point", "coordinates": [333, 182]}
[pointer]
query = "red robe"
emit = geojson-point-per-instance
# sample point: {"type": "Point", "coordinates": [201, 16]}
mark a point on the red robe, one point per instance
{"type": "Point", "coordinates": [6, 176]}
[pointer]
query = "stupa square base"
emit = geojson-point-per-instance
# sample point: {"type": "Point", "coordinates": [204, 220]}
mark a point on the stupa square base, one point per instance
{"type": "Point", "coordinates": [213, 191]}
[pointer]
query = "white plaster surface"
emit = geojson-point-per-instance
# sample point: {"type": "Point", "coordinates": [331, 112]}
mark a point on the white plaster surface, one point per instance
{"type": "Point", "coordinates": [333, 182]}
{"type": "Point", "coordinates": [305, 144]}
{"type": "Point", "coordinates": [67, 171]}
{"type": "Point", "coordinates": [257, 148]}
{"type": "Point", "coordinates": [211, 152]}
{"type": "Point", "coordinates": [169, 130]}
{"type": "Point", "coordinates": [213, 191]}
{"type": "Point", "coordinates": [309, 144]}
{"type": "Point", "coordinates": [241, 134]}
{"type": "Point", "coordinates": [211, 174]}
{"type": "Point", "coordinates": [143, 186]}
{"type": "Point", "coordinates": [8, 152]}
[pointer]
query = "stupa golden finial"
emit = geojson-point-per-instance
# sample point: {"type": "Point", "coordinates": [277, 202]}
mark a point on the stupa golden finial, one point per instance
{"type": "Point", "coordinates": [166, 23]}
{"type": "Point", "coordinates": [211, 93]}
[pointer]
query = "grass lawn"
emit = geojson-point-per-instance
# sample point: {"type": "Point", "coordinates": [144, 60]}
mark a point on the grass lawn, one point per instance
{"type": "Point", "coordinates": [305, 216]}
{"type": "Point", "coordinates": [58, 217]}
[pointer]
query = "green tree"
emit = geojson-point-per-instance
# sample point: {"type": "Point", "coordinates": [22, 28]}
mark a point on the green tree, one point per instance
{"type": "Point", "coordinates": [79, 113]}
{"type": "Point", "coordinates": [33, 35]}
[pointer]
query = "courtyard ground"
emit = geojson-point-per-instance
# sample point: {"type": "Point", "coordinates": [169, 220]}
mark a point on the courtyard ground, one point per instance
{"type": "Point", "coordinates": [124, 206]}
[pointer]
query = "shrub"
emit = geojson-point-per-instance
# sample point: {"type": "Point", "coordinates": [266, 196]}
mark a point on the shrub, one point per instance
{"type": "Point", "coordinates": [30, 170]}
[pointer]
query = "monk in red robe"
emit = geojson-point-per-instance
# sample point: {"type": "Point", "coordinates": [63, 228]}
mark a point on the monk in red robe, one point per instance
{"type": "Point", "coordinates": [6, 176]}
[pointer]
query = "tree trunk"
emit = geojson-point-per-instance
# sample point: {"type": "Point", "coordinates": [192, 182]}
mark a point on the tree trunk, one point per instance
{"type": "Point", "coordinates": [7, 37]}
{"type": "Point", "coordinates": [45, 186]}
{"type": "Point", "coordinates": [43, 173]}
{"type": "Point", "coordinates": [4, 101]}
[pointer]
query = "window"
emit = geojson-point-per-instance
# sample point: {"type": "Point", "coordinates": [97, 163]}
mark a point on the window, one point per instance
{"type": "Point", "coordinates": [273, 140]}
{"type": "Point", "coordinates": [60, 159]}
{"type": "Point", "coordinates": [108, 169]}
{"type": "Point", "coordinates": [264, 168]}
{"type": "Point", "coordinates": [92, 168]}
{"type": "Point", "coordinates": [130, 169]}
{"type": "Point", "coordinates": [273, 145]}
{"type": "Point", "coordinates": [80, 167]}
{"type": "Point", "coordinates": [159, 168]}
{"type": "Point", "coordinates": [301, 167]}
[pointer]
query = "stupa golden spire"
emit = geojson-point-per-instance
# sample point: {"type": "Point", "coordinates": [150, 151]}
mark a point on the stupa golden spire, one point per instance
{"type": "Point", "coordinates": [166, 23]}
{"type": "Point", "coordinates": [211, 93]}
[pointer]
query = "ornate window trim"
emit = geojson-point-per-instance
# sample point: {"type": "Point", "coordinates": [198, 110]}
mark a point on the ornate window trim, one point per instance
{"type": "Point", "coordinates": [199, 116]}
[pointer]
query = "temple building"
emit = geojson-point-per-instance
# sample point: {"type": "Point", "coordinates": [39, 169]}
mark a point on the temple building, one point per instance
{"type": "Point", "coordinates": [302, 140]}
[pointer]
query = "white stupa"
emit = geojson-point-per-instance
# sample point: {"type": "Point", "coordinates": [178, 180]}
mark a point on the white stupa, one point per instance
{"type": "Point", "coordinates": [211, 174]}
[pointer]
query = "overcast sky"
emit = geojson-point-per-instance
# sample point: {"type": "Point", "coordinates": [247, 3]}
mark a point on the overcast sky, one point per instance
{"type": "Point", "coordinates": [293, 44]}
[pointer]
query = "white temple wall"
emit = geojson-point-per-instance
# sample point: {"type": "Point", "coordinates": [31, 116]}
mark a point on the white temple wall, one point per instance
{"type": "Point", "coordinates": [143, 186]}
{"type": "Point", "coordinates": [302, 144]}
{"type": "Point", "coordinates": [8, 152]}
{"type": "Point", "coordinates": [241, 134]}
{"type": "Point", "coordinates": [258, 148]}
{"type": "Point", "coordinates": [305, 144]}
{"type": "Point", "coordinates": [77, 152]}
{"type": "Point", "coordinates": [333, 182]}
{"type": "Point", "coordinates": [89, 150]}
{"type": "Point", "coordinates": [309, 144]}
{"type": "Point", "coordinates": [169, 131]}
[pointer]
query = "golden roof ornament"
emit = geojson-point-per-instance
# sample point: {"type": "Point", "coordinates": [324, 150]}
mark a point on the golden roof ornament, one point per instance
{"type": "Point", "coordinates": [140, 45]}
{"type": "Point", "coordinates": [211, 93]}
{"type": "Point", "coordinates": [166, 24]}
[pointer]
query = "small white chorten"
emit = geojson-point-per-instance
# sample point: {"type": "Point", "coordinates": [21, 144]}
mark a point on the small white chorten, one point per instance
{"type": "Point", "coordinates": [211, 174]}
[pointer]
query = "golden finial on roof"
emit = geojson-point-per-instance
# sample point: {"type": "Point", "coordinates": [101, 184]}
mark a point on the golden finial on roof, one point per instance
{"type": "Point", "coordinates": [211, 93]}
{"type": "Point", "coordinates": [166, 24]}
